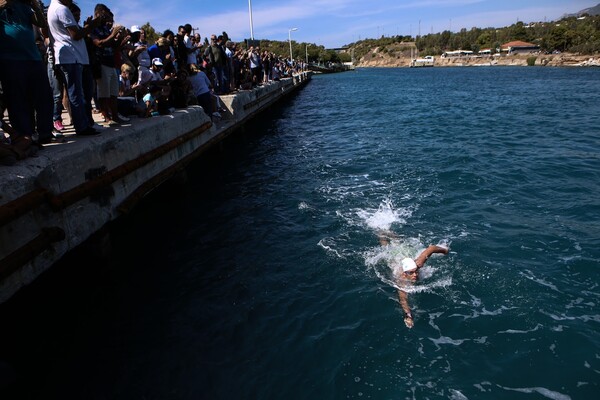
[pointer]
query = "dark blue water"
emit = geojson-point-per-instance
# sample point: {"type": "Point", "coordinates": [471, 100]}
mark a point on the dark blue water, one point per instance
{"type": "Point", "coordinates": [265, 279]}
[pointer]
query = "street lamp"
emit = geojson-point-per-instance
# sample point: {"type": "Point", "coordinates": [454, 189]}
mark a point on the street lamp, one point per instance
{"type": "Point", "coordinates": [290, 40]}
{"type": "Point", "coordinates": [306, 53]}
{"type": "Point", "coordinates": [250, 12]}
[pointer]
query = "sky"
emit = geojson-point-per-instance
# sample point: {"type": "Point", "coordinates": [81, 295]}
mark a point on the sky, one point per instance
{"type": "Point", "coordinates": [333, 23]}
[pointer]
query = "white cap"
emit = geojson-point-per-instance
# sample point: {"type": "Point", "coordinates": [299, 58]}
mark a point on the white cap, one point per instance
{"type": "Point", "coordinates": [135, 29]}
{"type": "Point", "coordinates": [157, 61]}
{"type": "Point", "coordinates": [408, 264]}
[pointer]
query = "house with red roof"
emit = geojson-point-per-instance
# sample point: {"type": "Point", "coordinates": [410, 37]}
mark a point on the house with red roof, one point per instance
{"type": "Point", "coordinates": [519, 47]}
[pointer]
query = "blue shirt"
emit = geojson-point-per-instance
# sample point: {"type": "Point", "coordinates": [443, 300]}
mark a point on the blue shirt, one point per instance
{"type": "Point", "coordinates": [17, 41]}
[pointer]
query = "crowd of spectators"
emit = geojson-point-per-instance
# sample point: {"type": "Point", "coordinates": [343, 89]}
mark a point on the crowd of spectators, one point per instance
{"type": "Point", "coordinates": [51, 59]}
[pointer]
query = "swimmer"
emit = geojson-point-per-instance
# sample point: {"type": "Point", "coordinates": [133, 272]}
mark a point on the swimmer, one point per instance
{"type": "Point", "coordinates": [410, 273]}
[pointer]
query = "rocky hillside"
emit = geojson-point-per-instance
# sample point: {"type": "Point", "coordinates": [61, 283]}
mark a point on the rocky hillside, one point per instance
{"type": "Point", "coordinates": [400, 56]}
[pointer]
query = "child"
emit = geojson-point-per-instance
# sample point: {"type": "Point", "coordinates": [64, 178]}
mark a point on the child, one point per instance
{"type": "Point", "coordinates": [151, 101]}
{"type": "Point", "coordinates": [126, 102]}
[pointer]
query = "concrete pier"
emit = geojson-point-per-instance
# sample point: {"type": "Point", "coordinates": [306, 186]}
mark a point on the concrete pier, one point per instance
{"type": "Point", "coordinates": [52, 203]}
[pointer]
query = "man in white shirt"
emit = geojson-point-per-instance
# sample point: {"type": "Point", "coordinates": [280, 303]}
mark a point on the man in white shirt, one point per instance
{"type": "Point", "coordinates": [71, 55]}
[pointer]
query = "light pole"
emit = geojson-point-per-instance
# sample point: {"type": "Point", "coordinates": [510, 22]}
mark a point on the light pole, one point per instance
{"type": "Point", "coordinates": [306, 53]}
{"type": "Point", "coordinates": [250, 12]}
{"type": "Point", "coordinates": [290, 40]}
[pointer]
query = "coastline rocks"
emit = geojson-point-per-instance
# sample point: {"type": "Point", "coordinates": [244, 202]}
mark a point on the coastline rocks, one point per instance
{"type": "Point", "coordinates": [377, 58]}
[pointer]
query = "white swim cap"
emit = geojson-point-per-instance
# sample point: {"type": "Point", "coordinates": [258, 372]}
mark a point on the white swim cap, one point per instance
{"type": "Point", "coordinates": [408, 264]}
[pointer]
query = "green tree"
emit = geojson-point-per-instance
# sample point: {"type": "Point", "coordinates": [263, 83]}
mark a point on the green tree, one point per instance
{"type": "Point", "coordinates": [345, 57]}
{"type": "Point", "coordinates": [518, 31]}
{"type": "Point", "coordinates": [484, 39]}
{"type": "Point", "coordinates": [151, 35]}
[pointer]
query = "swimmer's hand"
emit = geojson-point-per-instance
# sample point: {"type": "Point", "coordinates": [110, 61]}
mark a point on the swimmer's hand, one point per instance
{"type": "Point", "coordinates": [408, 321]}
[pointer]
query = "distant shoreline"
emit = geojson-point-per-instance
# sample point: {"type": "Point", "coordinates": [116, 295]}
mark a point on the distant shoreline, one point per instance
{"type": "Point", "coordinates": [549, 60]}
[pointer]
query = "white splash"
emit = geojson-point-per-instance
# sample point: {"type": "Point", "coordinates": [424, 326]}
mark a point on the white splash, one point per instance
{"type": "Point", "coordinates": [323, 243]}
{"type": "Point", "coordinates": [383, 218]}
{"type": "Point", "coordinates": [543, 391]}
{"type": "Point", "coordinates": [538, 326]}
{"type": "Point", "coordinates": [456, 395]}
{"type": "Point", "coordinates": [447, 340]}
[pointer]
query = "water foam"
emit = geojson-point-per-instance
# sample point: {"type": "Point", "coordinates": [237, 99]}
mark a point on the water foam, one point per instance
{"type": "Point", "coordinates": [385, 262]}
{"type": "Point", "coordinates": [457, 395]}
{"type": "Point", "coordinates": [328, 247]}
{"type": "Point", "coordinates": [514, 331]}
{"type": "Point", "coordinates": [303, 206]}
{"type": "Point", "coordinates": [385, 215]}
{"type": "Point", "coordinates": [541, 390]}
{"type": "Point", "coordinates": [529, 275]}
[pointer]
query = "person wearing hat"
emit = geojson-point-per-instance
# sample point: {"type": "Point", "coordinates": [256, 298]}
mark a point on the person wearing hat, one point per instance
{"type": "Point", "coordinates": [410, 272]}
{"type": "Point", "coordinates": [152, 74]}
{"type": "Point", "coordinates": [140, 51]}
{"type": "Point", "coordinates": [160, 49]}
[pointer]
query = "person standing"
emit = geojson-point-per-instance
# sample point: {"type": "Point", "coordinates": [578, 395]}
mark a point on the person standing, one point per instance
{"type": "Point", "coordinates": [23, 74]}
{"type": "Point", "coordinates": [255, 65]}
{"type": "Point", "coordinates": [217, 58]}
{"type": "Point", "coordinates": [106, 38]}
{"type": "Point", "coordinates": [181, 50]}
{"type": "Point", "coordinates": [71, 55]}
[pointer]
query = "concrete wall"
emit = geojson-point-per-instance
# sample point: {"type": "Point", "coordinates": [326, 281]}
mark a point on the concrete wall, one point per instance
{"type": "Point", "coordinates": [52, 203]}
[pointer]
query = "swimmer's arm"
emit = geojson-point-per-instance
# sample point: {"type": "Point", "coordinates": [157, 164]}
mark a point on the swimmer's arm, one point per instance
{"type": "Point", "coordinates": [408, 319]}
{"type": "Point", "coordinates": [432, 249]}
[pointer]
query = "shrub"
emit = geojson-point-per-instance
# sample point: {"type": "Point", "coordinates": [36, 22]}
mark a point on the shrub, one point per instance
{"type": "Point", "coordinates": [531, 61]}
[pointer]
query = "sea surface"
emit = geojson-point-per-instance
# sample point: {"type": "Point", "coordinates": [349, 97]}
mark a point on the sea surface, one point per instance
{"type": "Point", "coordinates": [263, 276]}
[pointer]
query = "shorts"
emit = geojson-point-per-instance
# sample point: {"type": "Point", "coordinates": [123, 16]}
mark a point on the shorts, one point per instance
{"type": "Point", "coordinates": [108, 85]}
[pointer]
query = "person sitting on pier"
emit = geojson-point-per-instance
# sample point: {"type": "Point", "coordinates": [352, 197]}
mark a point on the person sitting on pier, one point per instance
{"type": "Point", "coordinates": [410, 272]}
{"type": "Point", "coordinates": [151, 100]}
{"type": "Point", "coordinates": [153, 75]}
{"type": "Point", "coordinates": [181, 90]}
{"type": "Point", "coordinates": [201, 87]}
{"type": "Point", "coordinates": [126, 102]}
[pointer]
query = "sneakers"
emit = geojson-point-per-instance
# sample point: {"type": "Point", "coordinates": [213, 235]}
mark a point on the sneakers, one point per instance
{"type": "Point", "coordinates": [122, 118]}
{"type": "Point", "coordinates": [58, 126]}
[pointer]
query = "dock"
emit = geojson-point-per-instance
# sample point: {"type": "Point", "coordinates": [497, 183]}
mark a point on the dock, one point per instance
{"type": "Point", "coordinates": [54, 202]}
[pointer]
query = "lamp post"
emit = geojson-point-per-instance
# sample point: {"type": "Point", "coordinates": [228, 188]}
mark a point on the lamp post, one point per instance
{"type": "Point", "coordinates": [290, 40]}
{"type": "Point", "coordinates": [306, 53]}
{"type": "Point", "coordinates": [250, 12]}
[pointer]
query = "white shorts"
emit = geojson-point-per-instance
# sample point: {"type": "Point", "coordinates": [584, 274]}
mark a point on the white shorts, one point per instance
{"type": "Point", "coordinates": [108, 85]}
